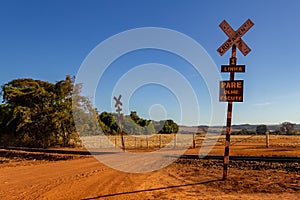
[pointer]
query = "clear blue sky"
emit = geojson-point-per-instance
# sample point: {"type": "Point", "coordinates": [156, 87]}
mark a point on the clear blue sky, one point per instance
{"type": "Point", "coordinates": [49, 39]}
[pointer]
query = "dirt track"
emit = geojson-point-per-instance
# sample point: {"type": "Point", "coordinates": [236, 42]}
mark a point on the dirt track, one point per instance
{"type": "Point", "coordinates": [26, 175]}
{"type": "Point", "coordinates": [86, 178]}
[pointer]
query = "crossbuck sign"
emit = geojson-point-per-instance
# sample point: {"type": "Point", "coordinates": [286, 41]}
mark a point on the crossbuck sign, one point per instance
{"type": "Point", "coordinates": [232, 90]}
{"type": "Point", "coordinates": [118, 101]}
{"type": "Point", "coordinates": [235, 37]}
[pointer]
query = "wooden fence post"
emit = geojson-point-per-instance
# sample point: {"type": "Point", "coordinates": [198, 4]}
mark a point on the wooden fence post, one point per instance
{"type": "Point", "coordinates": [175, 140]}
{"type": "Point", "coordinates": [267, 139]}
{"type": "Point", "coordinates": [147, 142]}
{"type": "Point", "coordinates": [194, 142]}
{"type": "Point", "coordinates": [159, 140]}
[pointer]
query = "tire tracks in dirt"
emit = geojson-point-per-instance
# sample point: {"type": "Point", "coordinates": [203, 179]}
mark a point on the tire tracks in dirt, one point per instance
{"type": "Point", "coordinates": [72, 179]}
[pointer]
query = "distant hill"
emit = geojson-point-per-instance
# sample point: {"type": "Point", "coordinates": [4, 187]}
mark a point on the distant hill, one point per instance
{"type": "Point", "coordinates": [249, 127]}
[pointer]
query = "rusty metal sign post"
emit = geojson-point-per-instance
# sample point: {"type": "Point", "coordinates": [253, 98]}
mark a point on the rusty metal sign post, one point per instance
{"type": "Point", "coordinates": [232, 90]}
{"type": "Point", "coordinates": [120, 116]}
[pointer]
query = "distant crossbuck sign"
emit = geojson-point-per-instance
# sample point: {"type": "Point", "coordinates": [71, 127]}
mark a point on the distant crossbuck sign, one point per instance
{"type": "Point", "coordinates": [235, 37]}
{"type": "Point", "coordinates": [118, 101]}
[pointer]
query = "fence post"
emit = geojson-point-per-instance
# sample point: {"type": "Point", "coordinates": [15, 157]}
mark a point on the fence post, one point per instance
{"type": "Point", "coordinates": [194, 142]}
{"type": "Point", "coordinates": [147, 142]}
{"type": "Point", "coordinates": [175, 140]}
{"type": "Point", "coordinates": [115, 141]}
{"type": "Point", "coordinates": [124, 142]}
{"type": "Point", "coordinates": [159, 140]}
{"type": "Point", "coordinates": [267, 139]}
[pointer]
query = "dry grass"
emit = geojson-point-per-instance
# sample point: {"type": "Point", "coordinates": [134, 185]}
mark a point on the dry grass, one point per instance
{"type": "Point", "coordinates": [240, 145]}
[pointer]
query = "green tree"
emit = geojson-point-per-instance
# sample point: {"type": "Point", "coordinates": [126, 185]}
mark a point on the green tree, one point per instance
{"type": "Point", "coordinates": [169, 127]}
{"type": "Point", "coordinates": [85, 115]}
{"type": "Point", "coordinates": [133, 124]}
{"type": "Point", "coordinates": [6, 128]}
{"type": "Point", "coordinates": [40, 112]}
{"type": "Point", "coordinates": [108, 123]}
{"type": "Point", "coordinates": [261, 129]}
{"type": "Point", "coordinates": [141, 122]}
{"type": "Point", "coordinates": [287, 128]}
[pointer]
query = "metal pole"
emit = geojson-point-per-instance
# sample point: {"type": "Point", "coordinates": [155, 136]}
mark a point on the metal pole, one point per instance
{"type": "Point", "coordinates": [232, 61]}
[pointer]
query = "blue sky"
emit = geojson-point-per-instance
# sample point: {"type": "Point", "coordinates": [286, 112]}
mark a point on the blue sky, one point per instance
{"type": "Point", "coordinates": [49, 39]}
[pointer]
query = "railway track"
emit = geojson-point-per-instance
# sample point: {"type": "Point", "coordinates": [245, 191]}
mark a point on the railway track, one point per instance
{"type": "Point", "coordinates": [249, 158]}
{"type": "Point", "coordinates": [185, 156]}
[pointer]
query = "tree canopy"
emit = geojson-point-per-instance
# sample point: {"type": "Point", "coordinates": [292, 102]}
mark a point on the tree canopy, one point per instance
{"type": "Point", "coordinates": [287, 128]}
{"type": "Point", "coordinates": [133, 124]}
{"type": "Point", "coordinates": [37, 113]}
{"type": "Point", "coordinates": [261, 129]}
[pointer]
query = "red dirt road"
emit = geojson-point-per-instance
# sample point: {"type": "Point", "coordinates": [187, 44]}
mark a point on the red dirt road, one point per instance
{"type": "Point", "coordinates": [86, 178]}
{"type": "Point", "coordinates": [74, 179]}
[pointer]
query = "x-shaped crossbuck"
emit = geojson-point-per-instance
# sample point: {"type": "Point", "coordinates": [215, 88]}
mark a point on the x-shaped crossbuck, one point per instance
{"type": "Point", "coordinates": [235, 37]}
{"type": "Point", "coordinates": [118, 101]}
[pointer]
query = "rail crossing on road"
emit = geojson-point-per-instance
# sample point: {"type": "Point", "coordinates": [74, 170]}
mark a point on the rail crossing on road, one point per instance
{"type": "Point", "coordinates": [232, 90]}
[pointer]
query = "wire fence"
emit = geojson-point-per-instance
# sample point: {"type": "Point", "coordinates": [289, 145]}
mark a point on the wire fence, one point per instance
{"type": "Point", "coordinates": [158, 141]}
{"type": "Point", "coordinates": [155, 141]}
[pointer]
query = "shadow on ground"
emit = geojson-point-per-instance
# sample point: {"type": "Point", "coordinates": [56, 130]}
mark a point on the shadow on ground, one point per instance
{"type": "Point", "coordinates": [151, 189]}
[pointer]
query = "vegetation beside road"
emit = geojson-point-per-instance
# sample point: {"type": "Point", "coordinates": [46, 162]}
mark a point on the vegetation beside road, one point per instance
{"type": "Point", "coordinates": [37, 113]}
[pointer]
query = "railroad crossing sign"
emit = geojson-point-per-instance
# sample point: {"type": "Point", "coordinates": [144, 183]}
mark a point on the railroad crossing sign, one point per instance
{"type": "Point", "coordinates": [235, 37]}
{"type": "Point", "coordinates": [231, 91]}
{"type": "Point", "coordinates": [118, 101]}
{"type": "Point", "coordinates": [120, 116]}
{"type": "Point", "coordinates": [233, 68]}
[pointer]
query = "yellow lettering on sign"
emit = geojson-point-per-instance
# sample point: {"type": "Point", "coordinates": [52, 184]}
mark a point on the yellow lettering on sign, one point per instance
{"type": "Point", "coordinates": [231, 85]}
{"type": "Point", "coordinates": [231, 91]}
{"type": "Point", "coordinates": [239, 85]}
{"type": "Point", "coordinates": [233, 69]}
{"type": "Point", "coordinates": [231, 98]}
